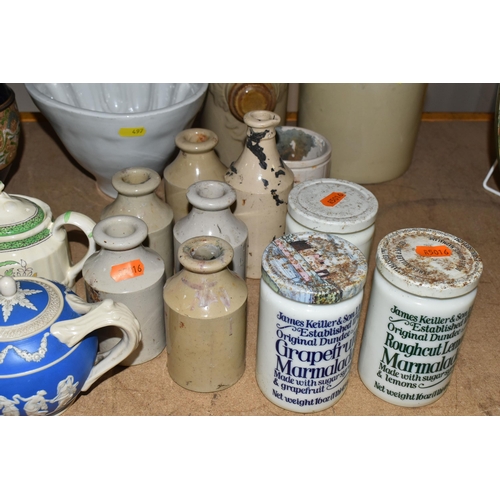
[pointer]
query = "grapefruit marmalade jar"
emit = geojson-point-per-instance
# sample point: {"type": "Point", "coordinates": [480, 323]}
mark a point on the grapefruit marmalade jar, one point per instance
{"type": "Point", "coordinates": [310, 300]}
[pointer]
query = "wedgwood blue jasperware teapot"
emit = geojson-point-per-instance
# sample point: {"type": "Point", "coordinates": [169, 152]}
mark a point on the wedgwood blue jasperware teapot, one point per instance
{"type": "Point", "coordinates": [48, 348]}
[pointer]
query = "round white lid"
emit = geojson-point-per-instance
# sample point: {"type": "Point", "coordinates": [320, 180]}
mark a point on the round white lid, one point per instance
{"type": "Point", "coordinates": [429, 263]}
{"type": "Point", "coordinates": [332, 206]}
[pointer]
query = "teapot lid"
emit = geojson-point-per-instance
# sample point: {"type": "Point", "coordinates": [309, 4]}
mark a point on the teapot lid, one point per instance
{"type": "Point", "coordinates": [28, 306]}
{"type": "Point", "coordinates": [18, 214]}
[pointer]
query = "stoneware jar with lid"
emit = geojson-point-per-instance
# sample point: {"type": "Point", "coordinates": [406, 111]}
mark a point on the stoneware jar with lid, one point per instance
{"type": "Point", "coordinates": [334, 206]}
{"type": "Point", "coordinates": [421, 300]}
{"type": "Point", "coordinates": [310, 301]}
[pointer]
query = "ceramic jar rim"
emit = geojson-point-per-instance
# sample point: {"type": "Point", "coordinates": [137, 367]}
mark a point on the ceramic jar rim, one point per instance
{"type": "Point", "coordinates": [196, 140]}
{"type": "Point", "coordinates": [260, 120]}
{"type": "Point", "coordinates": [205, 254]}
{"type": "Point", "coordinates": [312, 162]}
{"type": "Point", "coordinates": [138, 181]}
{"type": "Point", "coordinates": [107, 232]}
{"type": "Point", "coordinates": [198, 195]}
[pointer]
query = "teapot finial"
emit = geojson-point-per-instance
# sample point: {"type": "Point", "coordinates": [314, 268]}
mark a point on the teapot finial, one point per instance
{"type": "Point", "coordinates": [8, 287]}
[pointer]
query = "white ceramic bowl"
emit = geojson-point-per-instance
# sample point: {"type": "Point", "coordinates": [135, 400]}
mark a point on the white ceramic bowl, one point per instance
{"type": "Point", "coordinates": [107, 127]}
{"type": "Point", "coordinates": [307, 153]}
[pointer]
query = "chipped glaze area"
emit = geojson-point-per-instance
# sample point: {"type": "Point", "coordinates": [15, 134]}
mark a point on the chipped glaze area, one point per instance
{"type": "Point", "coordinates": [444, 277]}
{"type": "Point", "coordinates": [314, 268]}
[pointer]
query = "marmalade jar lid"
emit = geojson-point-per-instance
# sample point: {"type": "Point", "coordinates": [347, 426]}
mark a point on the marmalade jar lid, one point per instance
{"type": "Point", "coordinates": [314, 268]}
{"type": "Point", "coordinates": [332, 206]}
{"type": "Point", "coordinates": [429, 263]}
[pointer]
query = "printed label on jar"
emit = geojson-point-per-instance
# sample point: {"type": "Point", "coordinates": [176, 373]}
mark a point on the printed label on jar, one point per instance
{"type": "Point", "coordinates": [313, 358]}
{"type": "Point", "coordinates": [419, 354]}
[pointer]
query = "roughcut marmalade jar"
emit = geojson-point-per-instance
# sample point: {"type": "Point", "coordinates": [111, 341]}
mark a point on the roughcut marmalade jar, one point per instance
{"type": "Point", "coordinates": [423, 289]}
{"type": "Point", "coordinates": [310, 300]}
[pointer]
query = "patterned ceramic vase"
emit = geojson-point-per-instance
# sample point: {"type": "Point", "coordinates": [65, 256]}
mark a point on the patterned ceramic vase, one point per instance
{"type": "Point", "coordinates": [205, 310]}
{"type": "Point", "coordinates": [211, 216]}
{"type": "Point", "coordinates": [195, 162]}
{"type": "Point", "coordinates": [137, 196]}
{"type": "Point", "coordinates": [125, 271]}
{"type": "Point", "coordinates": [262, 183]}
{"type": "Point", "coordinates": [10, 129]}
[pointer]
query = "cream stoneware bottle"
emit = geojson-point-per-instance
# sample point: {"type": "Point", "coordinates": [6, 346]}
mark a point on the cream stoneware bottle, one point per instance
{"type": "Point", "coordinates": [137, 196]}
{"type": "Point", "coordinates": [205, 310]}
{"type": "Point", "coordinates": [262, 183]}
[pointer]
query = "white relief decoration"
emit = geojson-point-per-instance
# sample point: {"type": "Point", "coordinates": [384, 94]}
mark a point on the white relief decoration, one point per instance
{"type": "Point", "coordinates": [36, 356]}
{"type": "Point", "coordinates": [8, 303]}
{"type": "Point", "coordinates": [8, 407]}
{"type": "Point", "coordinates": [38, 404]}
{"type": "Point", "coordinates": [39, 323]}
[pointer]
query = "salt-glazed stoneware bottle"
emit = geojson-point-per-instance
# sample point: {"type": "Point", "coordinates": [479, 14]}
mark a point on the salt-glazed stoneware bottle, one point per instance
{"type": "Point", "coordinates": [137, 196]}
{"type": "Point", "coordinates": [196, 161]}
{"type": "Point", "coordinates": [211, 216]}
{"type": "Point", "coordinates": [48, 345]}
{"type": "Point", "coordinates": [262, 183]}
{"type": "Point", "coordinates": [33, 244]}
{"type": "Point", "coordinates": [125, 271]}
{"type": "Point", "coordinates": [205, 309]}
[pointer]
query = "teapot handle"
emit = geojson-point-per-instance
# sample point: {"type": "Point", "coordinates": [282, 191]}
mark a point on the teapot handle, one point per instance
{"type": "Point", "coordinates": [98, 315]}
{"type": "Point", "coordinates": [86, 224]}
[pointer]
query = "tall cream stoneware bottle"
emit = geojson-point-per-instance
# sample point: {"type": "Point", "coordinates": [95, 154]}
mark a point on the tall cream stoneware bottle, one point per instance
{"type": "Point", "coordinates": [196, 161]}
{"type": "Point", "coordinates": [262, 183]}
{"type": "Point", "coordinates": [205, 317]}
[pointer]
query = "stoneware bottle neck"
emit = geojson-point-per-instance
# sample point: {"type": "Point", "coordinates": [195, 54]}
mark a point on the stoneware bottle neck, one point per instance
{"type": "Point", "coordinates": [136, 182]}
{"type": "Point", "coordinates": [211, 195]}
{"type": "Point", "coordinates": [120, 233]}
{"type": "Point", "coordinates": [205, 255]}
{"type": "Point", "coordinates": [196, 141]}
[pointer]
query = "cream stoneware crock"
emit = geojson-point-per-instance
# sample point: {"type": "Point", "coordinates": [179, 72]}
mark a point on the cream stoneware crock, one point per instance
{"type": "Point", "coordinates": [33, 244]}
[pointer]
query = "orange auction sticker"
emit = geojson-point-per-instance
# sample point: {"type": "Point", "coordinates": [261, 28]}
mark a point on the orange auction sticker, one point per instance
{"type": "Point", "coordinates": [332, 199]}
{"type": "Point", "coordinates": [127, 270]}
{"type": "Point", "coordinates": [433, 251]}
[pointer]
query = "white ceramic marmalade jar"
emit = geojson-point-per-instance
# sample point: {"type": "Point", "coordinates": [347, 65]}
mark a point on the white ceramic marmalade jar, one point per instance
{"type": "Point", "coordinates": [333, 206]}
{"type": "Point", "coordinates": [310, 300]}
{"type": "Point", "coordinates": [422, 294]}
